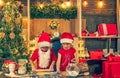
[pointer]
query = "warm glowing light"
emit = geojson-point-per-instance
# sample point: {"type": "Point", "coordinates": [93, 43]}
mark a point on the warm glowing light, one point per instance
{"type": "Point", "coordinates": [63, 5]}
{"type": "Point", "coordinates": [100, 4]}
{"type": "Point", "coordinates": [25, 22]}
{"type": "Point", "coordinates": [85, 3]}
{"type": "Point", "coordinates": [68, 4]}
{"type": "Point", "coordinates": [1, 2]}
{"type": "Point", "coordinates": [40, 5]}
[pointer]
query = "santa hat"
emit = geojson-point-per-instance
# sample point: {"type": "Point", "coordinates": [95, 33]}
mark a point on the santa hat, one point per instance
{"type": "Point", "coordinates": [66, 38]}
{"type": "Point", "coordinates": [44, 40]}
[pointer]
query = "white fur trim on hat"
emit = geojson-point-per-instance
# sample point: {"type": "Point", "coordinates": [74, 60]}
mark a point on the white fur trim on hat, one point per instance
{"type": "Point", "coordinates": [44, 43]}
{"type": "Point", "coordinates": [66, 40]}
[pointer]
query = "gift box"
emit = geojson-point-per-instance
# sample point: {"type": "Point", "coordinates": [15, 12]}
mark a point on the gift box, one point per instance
{"type": "Point", "coordinates": [111, 69]}
{"type": "Point", "coordinates": [110, 57]}
{"type": "Point", "coordinates": [113, 58]}
{"type": "Point", "coordinates": [105, 69]}
{"type": "Point", "coordinates": [107, 29]}
{"type": "Point", "coordinates": [116, 58]}
{"type": "Point", "coordinates": [96, 55]}
{"type": "Point", "coordinates": [116, 76]}
{"type": "Point", "coordinates": [114, 69]}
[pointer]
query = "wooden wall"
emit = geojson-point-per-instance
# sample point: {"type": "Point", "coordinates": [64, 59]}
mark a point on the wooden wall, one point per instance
{"type": "Point", "coordinates": [37, 26]}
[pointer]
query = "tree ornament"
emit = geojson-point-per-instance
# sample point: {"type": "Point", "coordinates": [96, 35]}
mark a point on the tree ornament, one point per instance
{"type": "Point", "coordinates": [8, 19]}
{"type": "Point", "coordinates": [25, 53]}
{"type": "Point", "coordinates": [13, 6]}
{"type": "Point", "coordinates": [18, 3]}
{"type": "Point", "coordinates": [12, 26]}
{"type": "Point", "coordinates": [12, 35]}
{"type": "Point", "coordinates": [2, 34]}
{"type": "Point", "coordinates": [15, 51]}
{"type": "Point", "coordinates": [18, 21]}
{"type": "Point", "coordinates": [18, 54]}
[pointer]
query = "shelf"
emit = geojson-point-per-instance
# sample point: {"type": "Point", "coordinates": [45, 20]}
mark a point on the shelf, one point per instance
{"type": "Point", "coordinates": [100, 37]}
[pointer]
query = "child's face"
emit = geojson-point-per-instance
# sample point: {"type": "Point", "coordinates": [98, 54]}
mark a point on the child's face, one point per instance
{"type": "Point", "coordinates": [45, 49]}
{"type": "Point", "coordinates": [66, 46]}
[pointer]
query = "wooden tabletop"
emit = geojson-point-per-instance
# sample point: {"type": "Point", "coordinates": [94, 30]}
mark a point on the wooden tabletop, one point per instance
{"type": "Point", "coordinates": [45, 75]}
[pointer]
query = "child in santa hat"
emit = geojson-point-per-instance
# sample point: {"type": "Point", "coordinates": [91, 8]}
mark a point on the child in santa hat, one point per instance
{"type": "Point", "coordinates": [44, 54]}
{"type": "Point", "coordinates": [66, 53]}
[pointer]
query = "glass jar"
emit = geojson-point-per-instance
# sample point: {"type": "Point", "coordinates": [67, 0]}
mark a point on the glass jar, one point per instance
{"type": "Point", "coordinates": [72, 69]}
{"type": "Point", "coordinates": [22, 66]}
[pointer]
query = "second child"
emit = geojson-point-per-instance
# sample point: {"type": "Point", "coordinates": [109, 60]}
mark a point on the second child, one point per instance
{"type": "Point", "coordinates": [66, 53]}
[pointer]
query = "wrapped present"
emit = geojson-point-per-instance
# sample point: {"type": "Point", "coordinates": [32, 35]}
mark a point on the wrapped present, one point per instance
{"type": "Point", "coordinates": [107, 29]}
{"type": "Point", "coordinates": [105, 69]}
{"type": "Point", "coordinates": [116, 58]}
{"type": "Point", "coordinates": [110, 69]}
{"type": "Point", "coordinates": [96, 55]}
{"type": "Point", "coordinates": [114, 69]}
{"type": "Point", "coordinates": [113, 58]}
{"type": "Point", "coordinates": [110, 57]}
{"type": "Point", "coordinates": [116, 76]}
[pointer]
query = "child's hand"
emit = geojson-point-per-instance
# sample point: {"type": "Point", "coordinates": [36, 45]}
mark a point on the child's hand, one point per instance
{"type": "Point", "coordinates": [58, 72]}
{"type": "Point", "coordinates": [51, 68]}
{"type": "Point", "coordinates": [33, 69]}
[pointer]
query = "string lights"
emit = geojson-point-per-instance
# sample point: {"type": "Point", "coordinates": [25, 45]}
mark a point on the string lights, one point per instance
{"type": "Point", "coordinates": [40, 5]}
{"type": "Point", "coordinates": [1, 3]}
{"type": "Point", "coordinates": [100, 4]}
{"type": "Point", "coordinates": [85, 3]}
{"type": "Point", "coordinates": [63, 4]}
{"type": "Point", "coordinates": [68, 3]}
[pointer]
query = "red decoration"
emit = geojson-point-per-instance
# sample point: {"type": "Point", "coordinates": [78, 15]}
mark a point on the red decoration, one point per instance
{"type": "Point", "coordinates": [111, 69]}
{"type": "Point", "coordinates": [83, 60]}
{"type": "Point", "coordinates": [85, 33]}
{"type": "Point", "coordinates": [95, 34]}
{"type": "Point", "coordinates": [109, 58]}
{"type": "Point", "coordinates": [107, 29]}
{"type": "Point", "coordinates": [116, 58]}
{"type": "Point", "coordinates": [96, 55]}
{"type": "Point", "coordinates": [113, 58]}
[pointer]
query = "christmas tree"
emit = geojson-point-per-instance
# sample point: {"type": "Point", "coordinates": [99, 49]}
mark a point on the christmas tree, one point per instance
{"type": "Point", "coordinates": [12, 45]}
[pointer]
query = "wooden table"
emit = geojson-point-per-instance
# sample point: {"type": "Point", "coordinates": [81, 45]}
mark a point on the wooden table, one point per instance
{"type": "Point", "coordinates": [46, 75]}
